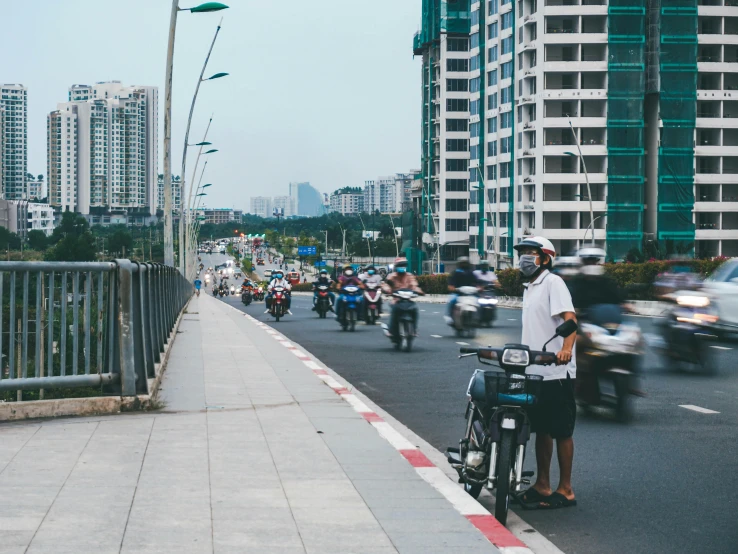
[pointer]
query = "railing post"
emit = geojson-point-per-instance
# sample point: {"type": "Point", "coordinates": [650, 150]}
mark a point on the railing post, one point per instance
{"type": "Point", "coordinates": [139, 330]}
{"type": "Point", "coordinates": [125, 328]}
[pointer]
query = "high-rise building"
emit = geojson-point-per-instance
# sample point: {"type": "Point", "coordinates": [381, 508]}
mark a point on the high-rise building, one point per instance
{"type": "Point", "coordinates": [642, 88]}
{"type": "Point", "coordinates": [347, 201]}
{"type": "Point", "coordinates": [14, 141]}
{"type": "Point", "coordinates": [103, 150]}
{"type": "Point", "coordinates": [220, 215]}
{"type": "Point", "coordinates": [261, 206]}
{"type": "Point", "coordinates": [307, 200]}
{"type": "Point", "coordinates": [285, 204]}
{"type": "Point", "coordinates": [380, 194]}
{"type": "Point", "coordinates": [403, 187]}
{"type": "Point", "coordinates": [36, 187]}
{"type": "Point", "coordinates": [443, 43]}
{"type": "Point", "coordinates": [176, 192]}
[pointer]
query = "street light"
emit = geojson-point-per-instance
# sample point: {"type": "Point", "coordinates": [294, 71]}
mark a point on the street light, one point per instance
{"type": "Point", "coordinates": [168, 228]}
{"type": "Point", "coordinates": [216, 76]}
{"type": "Point", "coordinates": [586, 177]}
{"type": "Point", "coordinates": [203, 143]}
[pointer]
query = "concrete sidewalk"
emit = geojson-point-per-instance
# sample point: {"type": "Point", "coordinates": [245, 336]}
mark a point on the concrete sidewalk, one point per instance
{"type": "Point", "coordinates": [252, 453]}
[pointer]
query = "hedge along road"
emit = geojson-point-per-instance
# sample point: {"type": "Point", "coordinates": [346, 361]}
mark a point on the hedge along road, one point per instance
{"type": "Point", "coordinates": [651, 486]}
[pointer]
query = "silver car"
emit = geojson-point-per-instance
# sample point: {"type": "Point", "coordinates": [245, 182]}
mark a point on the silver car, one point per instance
{"type": "Point", "coordinates": [722, 289]}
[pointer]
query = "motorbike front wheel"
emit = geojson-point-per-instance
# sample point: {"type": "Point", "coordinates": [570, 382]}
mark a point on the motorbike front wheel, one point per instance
{"type": "Point", "coordinates": [352, 320]}
{"type": "Point", "coordinates": [504, 471]}
{"type": "Point", "coordinates": [277, 314]}
{"type": "Point", "coordinates": [409, 335]}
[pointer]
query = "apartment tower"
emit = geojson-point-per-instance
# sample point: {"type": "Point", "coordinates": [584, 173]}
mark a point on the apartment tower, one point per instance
{"type": "Point", "coordinates": [13, 141]}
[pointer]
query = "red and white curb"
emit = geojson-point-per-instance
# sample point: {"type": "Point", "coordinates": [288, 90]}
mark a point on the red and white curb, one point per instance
{"type": "Point", "coordinates": [472, 510]}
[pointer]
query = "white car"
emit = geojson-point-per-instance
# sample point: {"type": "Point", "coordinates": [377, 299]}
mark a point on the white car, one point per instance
{"type": "Point", "coordinates": [267, 273]}
{"type": "Point", "coordinates": [722, 289]}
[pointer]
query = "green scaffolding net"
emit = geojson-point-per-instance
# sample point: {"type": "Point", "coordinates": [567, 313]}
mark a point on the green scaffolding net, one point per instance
{"type": "Point", "coordinates": [625, 140]}
{"type": "Point", "coordinates": [677, 109]}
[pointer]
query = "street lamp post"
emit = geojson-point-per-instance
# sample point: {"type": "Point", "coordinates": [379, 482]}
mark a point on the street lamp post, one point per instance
{"type": "Point", "coordinates": [586, 177]}
{"type": "Point", "coordinates": [168, 228]}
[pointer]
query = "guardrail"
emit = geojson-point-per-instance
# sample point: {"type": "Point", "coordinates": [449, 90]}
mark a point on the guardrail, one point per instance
{"type": "Point", "coordinates": [79, 324]}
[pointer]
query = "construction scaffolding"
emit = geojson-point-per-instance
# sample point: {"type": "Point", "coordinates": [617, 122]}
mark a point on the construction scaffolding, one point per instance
{"type": "Point", "coordinates": [677, 109]}
{"type": "Point", "coordinates": [625, 125]}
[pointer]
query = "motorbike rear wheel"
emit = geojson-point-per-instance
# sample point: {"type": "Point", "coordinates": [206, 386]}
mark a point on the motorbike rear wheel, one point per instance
{"type": "Point", "coordinates": [623, 404]}
{"type": "Point", "coordinates": [504, 471]}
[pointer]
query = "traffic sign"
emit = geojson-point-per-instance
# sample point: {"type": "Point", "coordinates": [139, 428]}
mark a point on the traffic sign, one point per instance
{"type": "Point", "coordinates": [307, 250]}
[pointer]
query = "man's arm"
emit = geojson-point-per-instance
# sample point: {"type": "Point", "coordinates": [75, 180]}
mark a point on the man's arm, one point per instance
{"type": "Point", "coordinates": [563, 356]}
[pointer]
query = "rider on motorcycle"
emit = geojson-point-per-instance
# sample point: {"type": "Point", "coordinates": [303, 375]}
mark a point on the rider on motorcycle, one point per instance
{"type": "Point", "coordinates": [462, 277]}
{"type": "Point", "coordinates": [278, 280]}
{"type": "Point", "coordinates": [323, 279]}
{"type": "Point", "coordinates": [593, 288]}
{"type": "Point", "coordinates": [400, 279]}
{"type": "Point", "coordinates": [348, 277]}
{"type": "Point", "coordinates": [484, 275]}
{"type": "Point", "coordinates": [371, 277]}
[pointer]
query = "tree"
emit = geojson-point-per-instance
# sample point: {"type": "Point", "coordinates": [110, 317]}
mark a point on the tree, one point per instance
{"type": "Point", "coordinates": [8, 240]}
{"type": "Point", "coordinates": [120, 243]}
{"type": "Point", "coordinates": [37, 240]}
{"type": "Point", "coordinates": [72, 239]}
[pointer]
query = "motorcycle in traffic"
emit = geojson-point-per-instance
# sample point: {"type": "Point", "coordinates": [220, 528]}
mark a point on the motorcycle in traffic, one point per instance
{"type": "Point", "coordinates": [465, 314]}
{"type": "Point", "coordinates": [405, 313]}
{"type": "Point", "coordinates": [278, 305]}
{"type": "Point", "coordinates": [492, 452]}
{"type": "Point", "coordinates": [351, 297]}
{"type": "Point", "coordinates": [323, 302]}
{"type": "Point", "coordinates": [372, 298]}
{"type": "Point", "coordinates": [246, 296]}
{"type": "Point", "coordinates": [487, 306]}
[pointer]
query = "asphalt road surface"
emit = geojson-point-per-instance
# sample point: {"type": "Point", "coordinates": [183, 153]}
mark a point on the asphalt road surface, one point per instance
{"type": "Point", "coordinates": [661, 484]}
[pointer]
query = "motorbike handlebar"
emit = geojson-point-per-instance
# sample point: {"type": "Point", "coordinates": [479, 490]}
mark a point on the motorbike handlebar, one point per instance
{"type": "Point", "coordinates": [465, 350]}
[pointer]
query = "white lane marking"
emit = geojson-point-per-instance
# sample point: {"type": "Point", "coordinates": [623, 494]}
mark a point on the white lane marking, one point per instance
{"type": "Point", "coordinates": [721, 347]}
{"type": "Point", "coordinates": [453, 493]}
{"type": "Point", "coordinates": [437, 336]}
{"type": "Point", "coordinates": [422, 310]}
{"type": "Point", "coordinates": [698, 409]}
{"type": "Point", "coordinates": [357, 404]}
{"type": "Point", "coordinates": [395, 438]}
{"type": "Point", "coordinates": [436, 312]}
{"type": "Point", "coordinates": [462, 343]}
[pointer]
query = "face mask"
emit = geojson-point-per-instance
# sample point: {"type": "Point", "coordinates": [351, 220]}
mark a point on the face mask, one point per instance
{"type": "Point", "coordinates": [370, 272]}
{"type": "Point", "coordinates": [348, 273]}
{"type": "Point", "coordinates": [401, 269]}
{"type": "Point", "coordinates": [592, 270]}
{"type": "Point", "coordinates": [528, 265]}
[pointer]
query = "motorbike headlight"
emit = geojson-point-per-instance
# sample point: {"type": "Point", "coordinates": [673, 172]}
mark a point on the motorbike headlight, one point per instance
{"type": "Point", "coordinates": [488, 301]}
{"type": "Point", "coordinates": [516, 357]}
{"type": "Point", "coordinates": [693, 301]}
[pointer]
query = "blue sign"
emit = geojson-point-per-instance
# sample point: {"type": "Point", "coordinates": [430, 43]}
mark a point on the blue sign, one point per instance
{"type": "Point", "coordinates": [319, 264]}
{"type": "Point", "coordinates": [306, 250]}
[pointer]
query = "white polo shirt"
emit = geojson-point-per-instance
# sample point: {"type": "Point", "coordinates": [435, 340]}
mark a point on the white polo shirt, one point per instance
{"type": "Point", "coordinates": [544, 300]}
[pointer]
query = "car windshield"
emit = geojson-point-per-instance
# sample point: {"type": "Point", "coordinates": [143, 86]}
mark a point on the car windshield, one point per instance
{"type": "Point", "coordinates": [725, 273]}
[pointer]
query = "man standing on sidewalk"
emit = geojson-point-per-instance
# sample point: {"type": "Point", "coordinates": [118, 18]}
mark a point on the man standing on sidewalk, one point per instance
{"type": "Point", "coordinates": [546, 305]}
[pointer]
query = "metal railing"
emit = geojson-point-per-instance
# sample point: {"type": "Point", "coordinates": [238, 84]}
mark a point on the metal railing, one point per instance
{"type": "Point", "coordinates": [78, 324]}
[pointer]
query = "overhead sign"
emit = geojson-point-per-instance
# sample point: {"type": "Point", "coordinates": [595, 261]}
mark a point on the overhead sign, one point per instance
{"type": "Point", "coordinates": [307, 250]}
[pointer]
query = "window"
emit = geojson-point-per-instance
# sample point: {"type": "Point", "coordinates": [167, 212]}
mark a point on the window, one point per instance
{"type": "Point", "coordinates": [474, 130]}
{"type": "Point", "coordinates": [506, 120]}
{"type": "Point", "coordinates": [504, 174]}
{"type": "Point", "coordinates": [457, 45]}
{"type": "Point", "coordinates": [505, 2]}
{"type": "Point", "coordinates": [474, 109]}
{"type": "Point", "coordinates": [492, 125]}
{"type": "Point", "coordinates": [492, 78]}
{"type": "Point", "coordinates": [456, 125]}
{"type": "Point", "coordinates": [475, 18]}
{"type": "Point", "coordinates": [506, 70]}
{"type": "Point", "coordinates": [473, 222]}
{"type": "Point", "coordinates": [507, 20]}
{"type": "Point", "coordinates": [492, 148]}
{"type": "Point", "coordinates": [457, 105]}
{"type": "Point", "coordinates": [506, 95]}
{"type": "Point", "coordinates": [492, 175]}
{"type": "Point", "coordinates": [456, 64]}
{"type": "Point", "coordinates": [507, 45]}
{"type": "Point", "coordinates": [457, 185]}
{"type": "Point", "coordinates": [492, 30]}
{"type": "Point", "coordinates": [474, 65]}
{"type": "Point", "coordinates": [456, 205]}
{"type": "Point", "coordinates": [492, 54]}
{"type": "Point", "coordinates": [474, 152]}
{"type": "Point", "coordinates": [457, 145]}
{"type": "Point", "coordinates": [506, 145]}
{"type": "Point", "coordinates": [492, 101]}
{"type": "Point", "coordinates": [457, 85]}
{"type": "Point", "coordinates": [457, 165]}
{"type": "Point", "coordinates": [493, 7]}
{"type": "Point", "coordinates": [474, 40]}
{"type": "Point", "coordinates": [456, 225]}
{"type": "Point", "coordinates": [474, 84]}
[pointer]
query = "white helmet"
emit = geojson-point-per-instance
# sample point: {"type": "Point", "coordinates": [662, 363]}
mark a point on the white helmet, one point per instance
{"type": "Point", "coordinates": [541, 243]}
{"type": "Point", "coordinates": [592, 255]}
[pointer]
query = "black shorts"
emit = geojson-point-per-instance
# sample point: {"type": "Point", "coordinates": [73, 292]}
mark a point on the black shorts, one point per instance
{"type": "Point", "coordinates": [556, 410]}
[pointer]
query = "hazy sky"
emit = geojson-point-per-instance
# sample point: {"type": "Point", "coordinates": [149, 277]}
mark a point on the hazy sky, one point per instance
{"type": "Point", "coordinates": [325, 91]}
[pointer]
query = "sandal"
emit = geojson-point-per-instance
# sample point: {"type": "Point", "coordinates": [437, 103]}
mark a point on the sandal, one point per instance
{"type": "Point", "coordinates": [556, 501]}
{"type": "Point", "coordinates": [530, 498]}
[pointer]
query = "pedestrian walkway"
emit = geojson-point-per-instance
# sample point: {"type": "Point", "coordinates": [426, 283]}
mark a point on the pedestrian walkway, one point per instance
{"type": "Point", "coordinates": [252, 452]}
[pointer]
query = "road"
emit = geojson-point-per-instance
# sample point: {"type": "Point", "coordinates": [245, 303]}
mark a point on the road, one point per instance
{"type": "Point", "coordinates": [659, 485]}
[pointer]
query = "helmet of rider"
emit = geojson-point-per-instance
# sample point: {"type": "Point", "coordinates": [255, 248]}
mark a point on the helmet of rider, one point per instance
{"type": "Point", "coordinates": [400, 265]}
{"type": "Point", "coordinates": [483, 266]}
{"type": "Point", "coordinates": [592, 259]}
{"type": "Point", "coordinates": [462, 263]}
{"type": "Point", "coordinates": [324, 272]}
{"type": "Point", "coordinates": [278, 274]}
{"type": "Point", "coordinates": [370, 270]}
{"type": "Point", "coordinates": [543, 247]}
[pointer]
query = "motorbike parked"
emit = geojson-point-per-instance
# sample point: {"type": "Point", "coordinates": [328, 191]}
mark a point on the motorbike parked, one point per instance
{"type": "Point", "coordinates": [492, 452]}
{"type": "Point", "coordinates": [351, 297]}
{"type": "Point", "coordinates": [465, 315]}
{"type": "Point", "coordinates": [373, 298]}
{"type": "Point", "coordinates": [487, 306]}
{"type": "Point", "coordinates": [278, 306]}
{"type": "Point", "coordinates": [686, 332]}
{"type": "Point", "coordinates": [323, 302]}
{"type": "Point", "coordinates": [608, 354]}
{"type": "Point", "coordinates": [406, 330]}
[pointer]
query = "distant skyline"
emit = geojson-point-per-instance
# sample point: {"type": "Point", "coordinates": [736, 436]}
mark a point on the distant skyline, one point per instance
{"type": "Point", "coordinates": [325, 92]}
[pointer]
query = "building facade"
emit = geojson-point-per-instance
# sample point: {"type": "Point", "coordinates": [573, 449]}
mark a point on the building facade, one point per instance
{"type": "Point", "coordinates": [347, 203]}
{"type": "Point", "coordinates": [103, 150]}
{"type": "Point", "coordinates": [380, 195]}
{"type": "Point", "coordinates": [620, 107]}
{"type": "Point", "coordinates": [176, 192]}
{"type": "Point", "coordinates": [220, 215]}
{"type": "Point", "coordinates": [22, 216]}
{"type": "Point", "coordinates": [36, 187]}
{"type": "Point", "coordinates": [14, 141]}
{"type": "Point", "coordinates": [285, 205]}
{"type": "Point", "coordinates": [308, 201]}
{"type": "Point", "coordinates": [261, 206]}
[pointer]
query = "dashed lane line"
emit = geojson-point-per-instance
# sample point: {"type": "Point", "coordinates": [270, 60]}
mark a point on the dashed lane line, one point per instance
{"type": "Point", "coordinates": [698, 409]}
{"type": "Point", "coordinates": [721, 347]}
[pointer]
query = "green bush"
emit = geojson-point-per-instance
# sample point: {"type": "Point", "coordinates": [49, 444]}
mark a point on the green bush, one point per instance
{"type": "Point", "coordinates": [433, 284]}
